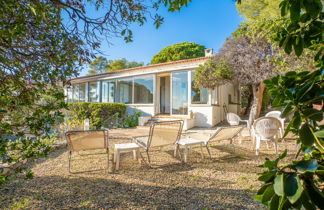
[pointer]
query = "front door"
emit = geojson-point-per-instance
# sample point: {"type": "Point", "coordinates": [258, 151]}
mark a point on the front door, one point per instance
{"type": "Point", "coordinates": [165, 94]}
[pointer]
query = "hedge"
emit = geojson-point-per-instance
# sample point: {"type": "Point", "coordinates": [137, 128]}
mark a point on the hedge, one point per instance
{"type": "Point", "coordinates": [96, 112]}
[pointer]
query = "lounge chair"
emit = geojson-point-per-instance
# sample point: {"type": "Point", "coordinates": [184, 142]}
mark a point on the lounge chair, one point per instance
{"type": "Point", "coordinates": [160, 134]}
{"type": "Point", "coordinates": [223, 133]}
{"type": "Point", "coordinates": [87, 140]}
{"type": "Point", "coordinates": [267, 129]}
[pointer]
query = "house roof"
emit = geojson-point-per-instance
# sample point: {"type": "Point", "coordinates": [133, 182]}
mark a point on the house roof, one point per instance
{"type": "Point", "coordinates": [141, 68]}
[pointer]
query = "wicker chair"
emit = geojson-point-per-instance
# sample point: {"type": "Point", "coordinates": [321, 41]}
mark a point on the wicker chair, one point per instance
{"type": "Point", "coordinates": [268, 129]}
{"type": "Point", "coordinates": [276, 114]}
{"type": "Point", "coordinates": [87, 140]}
{"type": "Point", "coordinates": [234, 119]}
{"type": "Point", "coordinates": [160, 134]}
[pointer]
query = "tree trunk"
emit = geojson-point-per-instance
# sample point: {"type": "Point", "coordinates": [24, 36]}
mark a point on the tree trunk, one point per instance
{"type": "Point", "coordinates": [257, 102]}
{"type": "Point", "coordinates": [260, 99]}
{"type": "Point", "coordinates": [249, 103]}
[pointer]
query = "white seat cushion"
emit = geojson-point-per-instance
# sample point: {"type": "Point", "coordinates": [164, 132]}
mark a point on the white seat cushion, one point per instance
{"type": "Point", "coordinates": [126, 146]}
{"type": "Point", "coordinates": [190, 141]}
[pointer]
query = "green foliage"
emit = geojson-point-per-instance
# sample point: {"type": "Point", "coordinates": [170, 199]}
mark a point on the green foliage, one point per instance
{"type": "Point", "coordinates": [259, 9]}
{"type": "Point", "coordinates": [212, 74]}
{"type": "Point", "coordinates": [98, 65]}
{"type": "Point", "coordinates": [180, 51]}
{"type": "Point", "coordinates": [101, 65]}
{"type": "Point", "coordinates": [96, 112]}
{"type": "Point", "coordinates": [298, 183]}
{"type": "Point", "coordinates": [304, 28]}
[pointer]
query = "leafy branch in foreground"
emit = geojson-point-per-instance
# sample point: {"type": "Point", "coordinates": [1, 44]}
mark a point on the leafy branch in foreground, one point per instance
{"type": "Point", "coordinates": [299, 183]}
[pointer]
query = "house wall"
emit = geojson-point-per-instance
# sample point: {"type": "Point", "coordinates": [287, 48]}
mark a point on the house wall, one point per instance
{"type": "Point", "coordinates": [147, 110]}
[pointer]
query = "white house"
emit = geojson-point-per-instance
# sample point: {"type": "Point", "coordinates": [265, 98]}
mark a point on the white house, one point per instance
{"type": "Point", "coordinates": [160, 91]}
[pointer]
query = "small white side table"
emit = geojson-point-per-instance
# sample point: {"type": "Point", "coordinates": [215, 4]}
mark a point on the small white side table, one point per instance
{"type": "Point", "coordinates": [126, 147]}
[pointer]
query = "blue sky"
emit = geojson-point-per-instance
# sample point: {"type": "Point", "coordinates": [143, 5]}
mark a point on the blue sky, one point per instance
{"type": "Point", "coordinates": [206, 22]}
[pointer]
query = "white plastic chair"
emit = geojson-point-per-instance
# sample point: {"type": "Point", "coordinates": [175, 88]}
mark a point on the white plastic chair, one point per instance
{"type": "Point", "coordinates": [234, 119]}
{"type": "Point", "coordinates": [276, 114]}
{"type": "Point", "coordinates": [267, 129]}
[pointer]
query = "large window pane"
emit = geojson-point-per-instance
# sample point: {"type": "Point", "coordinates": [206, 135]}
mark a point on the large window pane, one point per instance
{"type": "Point", "coordinates": [94, 92]}
{"type": "Point", "coordinates": [180, 93]}
{"type": "Point", "coordinates": [198, 95]}
{"type": "Point", "coordinates": [69, 94]}
{"type": "Point", "coordinates": [125, 91]}
{"type": "Point", "coordinates": [143, 89]}
{"type": "Point", "coordinates": [108, 91]}
{"type": "Point", "coordinates": [82, 92]}
{"type": "Point", "coordinates": [214, 96]}
{"type": "Point", "coordinates": [75, 93]}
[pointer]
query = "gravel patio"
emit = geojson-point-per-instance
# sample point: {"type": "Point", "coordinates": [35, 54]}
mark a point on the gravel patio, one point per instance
{"type": "Point", "coordinates": [227, 181]}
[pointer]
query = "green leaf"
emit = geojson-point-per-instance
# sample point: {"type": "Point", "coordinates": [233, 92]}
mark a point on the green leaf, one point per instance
{"type": "Point", "coordinates": [294, 11]}
{"type": "Point", "coordinates": [299, 46]}
{"type": "Point", "coordinates": [313, 114]}
{"type": "Point", "coordinates": [306, 135]}
{"type": "Point", "coordinates": [319, 134]}
{"type": "Point", "coordinates": [307, 165]}
{"type": "Point", "coordinates": [279, 185]}
{"type": "Point", "coordinates": [283, 154]}
{"type": "Point", "coordinates": [274, 203]}
{"type": "Point", "coordinates": [267, 176]}
{"type": "Point", "coordinates": [267, 195]}
{"type": "Point", "coordinates": [283, 8]}
{"type": "Point", "coordinates": [293, 188]}
{"type": "Point", "coordinates": [287, 110]}
{"type": "Point", "coordinates": [307, 203]}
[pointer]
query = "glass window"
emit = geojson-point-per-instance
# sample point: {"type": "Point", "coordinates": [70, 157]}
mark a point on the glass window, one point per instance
{"type": "Point", "coordinates": [93, 91]}
{"type": "Point", "coordinates": [69, 92]}
{"type": "Point", "coordinates": [143, 89]}
{"type": "Point", "coordinates": [82, 92]}
{"type": "Point", "coordinates": [108, 91]}
{"type": "Point", "coordinates": [124, 91]}
{"type": "Point", "coordinates": [214, 96]}
{"type": "Point", "coordinates": [198, 95]}
{"type": "Point", "coordinates": [75, 95]}
{"type": "Point", "coordinates": [180, 93]}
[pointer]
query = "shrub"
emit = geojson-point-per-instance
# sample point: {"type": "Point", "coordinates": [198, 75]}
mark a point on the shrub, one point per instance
{"type": "Point", "coordinates": [96, 112]}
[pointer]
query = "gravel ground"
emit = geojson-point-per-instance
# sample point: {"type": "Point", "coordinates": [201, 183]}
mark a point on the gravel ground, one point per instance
{"type": "Point", "coordinates": [227, 181]}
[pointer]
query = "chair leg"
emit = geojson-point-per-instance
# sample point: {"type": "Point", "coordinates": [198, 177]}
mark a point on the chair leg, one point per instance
{"type": "Point", "coordinates": [148, 158]}
{"type": "Point", "coordinates": [135, 154]}
{"type": "Point", "coordinates": [201, 150]}
{"type": "Point", "coordinates": [175, 150]}
{"type": "Point", "coordinates": [115, 156]}
{"type": "Point", "coordinates": [208, 151]}
{"type": "Point", "coordinates": [257, 146]}
{"type": "Point", "coordinates": [185, 153]}
{"type": "Point", "coordinates": [138, 155]}
{"type": "Point", "coordinates": [117, 160]}
{"type": "Point", "coordinates": [70, 157]}
{"type": "Point", "coordinates": [276, 145]}
{"type": "Point", "coordinates": [107, 151]}
{"type": "Point", "coordinates": [178, 149]}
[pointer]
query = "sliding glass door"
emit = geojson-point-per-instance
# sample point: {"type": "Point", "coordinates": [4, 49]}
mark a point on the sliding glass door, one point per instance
{"type": "Point", "coordinates": [180, 93]}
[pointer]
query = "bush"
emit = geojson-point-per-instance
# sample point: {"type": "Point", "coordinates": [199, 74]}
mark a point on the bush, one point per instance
{"type": "Point", "coordinates": [98, 113]}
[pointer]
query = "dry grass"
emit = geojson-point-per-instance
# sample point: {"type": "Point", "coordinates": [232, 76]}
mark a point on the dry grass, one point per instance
{"type": "Point", "coordinates": [226, 181]}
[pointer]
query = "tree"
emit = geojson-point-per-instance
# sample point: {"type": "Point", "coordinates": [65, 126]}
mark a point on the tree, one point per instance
{"type": "Point", "coordinates": [101, 65]}
{"type": "Point", "coordinates": [259, 9]}
{"type": "Point", "coordinates": [180, 51]}
{"type": "Point", "coordinates": [299, 184]}
{"type": "Point", "coordinates": [39, 52]}
{"type": "Point", "coordinates": [122, 64]}
{"type": "Point", "coordinates": [98, 65]}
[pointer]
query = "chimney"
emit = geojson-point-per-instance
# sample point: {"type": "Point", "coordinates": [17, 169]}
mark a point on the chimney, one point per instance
{"type": "Point", "coordinates": [208, 52]}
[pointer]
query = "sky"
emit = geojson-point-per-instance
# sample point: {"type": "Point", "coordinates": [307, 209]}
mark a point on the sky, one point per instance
{"type": "Point", "coordinates": [206, 22]}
